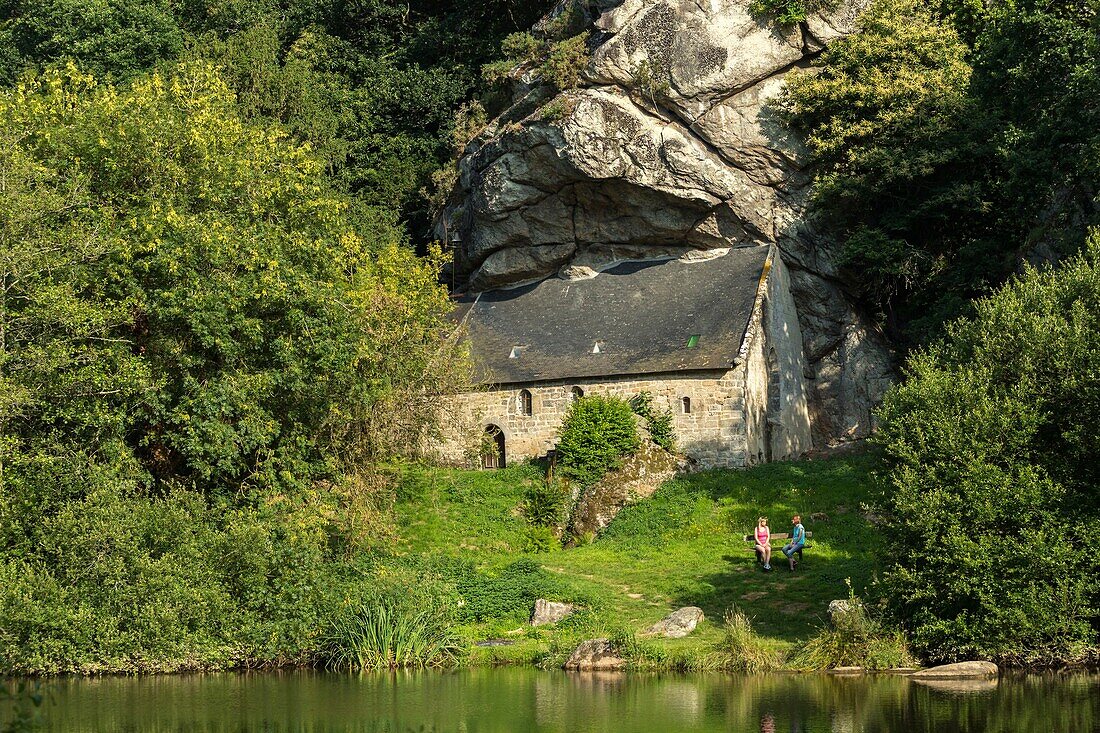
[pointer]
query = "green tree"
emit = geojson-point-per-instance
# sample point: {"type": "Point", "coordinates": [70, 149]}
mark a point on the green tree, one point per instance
{"type": "Point", "coordinates": [118, 39]}
{"type": "Point", "coordinates": [952, 141]}
{"type": "Point", "coordinates": [201, 353]}
{"type": "Point", "coordinates": [886, 122]}
{"type": "Point", "coordinates": [994, 484]}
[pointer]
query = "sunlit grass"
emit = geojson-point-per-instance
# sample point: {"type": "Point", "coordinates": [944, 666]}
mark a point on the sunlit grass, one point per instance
{"type": "Point", "coordinates": [683, 546]}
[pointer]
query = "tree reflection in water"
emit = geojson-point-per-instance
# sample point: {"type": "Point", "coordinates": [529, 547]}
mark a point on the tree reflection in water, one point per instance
{"type": "Point", "coordinates": [506, 700]}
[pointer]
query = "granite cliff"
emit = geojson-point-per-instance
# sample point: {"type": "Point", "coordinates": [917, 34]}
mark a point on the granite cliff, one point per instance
{"type": "Point", "coordinates": [670, 146]}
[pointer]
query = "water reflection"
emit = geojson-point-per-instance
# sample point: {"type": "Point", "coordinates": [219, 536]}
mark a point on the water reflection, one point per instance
{"type": "Point", "coordinates": [485, 701]}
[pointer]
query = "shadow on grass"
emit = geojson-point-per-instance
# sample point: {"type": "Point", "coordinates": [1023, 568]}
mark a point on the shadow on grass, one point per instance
{"type": "Point", "coordinates": [781, 604]}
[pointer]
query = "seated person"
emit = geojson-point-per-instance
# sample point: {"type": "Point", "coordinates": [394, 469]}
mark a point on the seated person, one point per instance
{"type": "Point", "coordinates": [798, 539]}
{"type": "Point", "coordinates": [763, 542]}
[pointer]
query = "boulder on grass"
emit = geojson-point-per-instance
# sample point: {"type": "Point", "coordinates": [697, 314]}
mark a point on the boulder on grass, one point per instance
{"type": "Point", "coordinates": [839, 608]}
{"type": "Point", "coordinates": [595, 654]}
{"type": "Point", "coordinates": [957, 671]}
{"type": "Point", "coordinates": [549, 612]}
{"type": "Point", "coordinates": [678, 624]}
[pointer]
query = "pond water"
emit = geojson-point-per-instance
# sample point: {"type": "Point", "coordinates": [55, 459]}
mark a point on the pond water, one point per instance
{"type": "Point", "coordinates": [489, 700]}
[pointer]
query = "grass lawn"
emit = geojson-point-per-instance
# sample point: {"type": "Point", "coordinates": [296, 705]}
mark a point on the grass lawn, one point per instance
{"type": "Point", "coordinates": [683, 546]}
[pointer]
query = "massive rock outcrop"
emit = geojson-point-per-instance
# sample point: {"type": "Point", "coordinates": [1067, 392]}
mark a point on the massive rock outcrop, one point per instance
{"type": "Point", "coordinates": [669, 147]}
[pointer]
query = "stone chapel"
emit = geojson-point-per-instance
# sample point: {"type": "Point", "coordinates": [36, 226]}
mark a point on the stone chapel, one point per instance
{"type": "Point", "coordinates": [715, 339]}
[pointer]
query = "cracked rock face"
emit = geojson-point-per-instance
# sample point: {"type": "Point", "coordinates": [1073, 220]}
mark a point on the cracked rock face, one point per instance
{"type": "Point", "coordinates": [671, 147]}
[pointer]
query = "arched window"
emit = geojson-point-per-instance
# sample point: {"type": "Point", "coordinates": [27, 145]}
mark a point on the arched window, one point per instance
{"type": "Point", "coordinates": [576, 393]}
{"type": "Point", "coordinates": [685, 405]}
{"type": "Point", "coordinates": [526, 403]}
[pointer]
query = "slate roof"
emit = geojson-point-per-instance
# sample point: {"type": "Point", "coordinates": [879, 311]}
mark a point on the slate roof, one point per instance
{"type": "Point", "coordinates": [642, 314]}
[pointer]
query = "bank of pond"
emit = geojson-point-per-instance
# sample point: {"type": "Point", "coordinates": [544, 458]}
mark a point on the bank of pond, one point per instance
{"type": "Point", "coordinates": [525, 699]}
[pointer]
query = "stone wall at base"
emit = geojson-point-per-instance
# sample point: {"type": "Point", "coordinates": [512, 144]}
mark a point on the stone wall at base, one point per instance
{"type": "Point", "coordinates": [712, 432]}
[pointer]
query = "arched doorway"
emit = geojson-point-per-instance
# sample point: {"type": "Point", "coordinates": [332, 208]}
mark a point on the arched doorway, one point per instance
{"type": "Point", "coordinates": [492, 453]}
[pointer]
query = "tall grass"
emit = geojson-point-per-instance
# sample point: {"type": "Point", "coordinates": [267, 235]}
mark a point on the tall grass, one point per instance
{"type": "Point", "coordinates": [743, 650]}
{"type": "Point", "coordinates": [854, 639]}
{"type": "Point", "coordinates": [384, 636]}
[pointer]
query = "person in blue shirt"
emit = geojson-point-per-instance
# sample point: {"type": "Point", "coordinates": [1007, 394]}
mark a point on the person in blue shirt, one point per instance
{"type": "Point", "coordinates": [798, 539]}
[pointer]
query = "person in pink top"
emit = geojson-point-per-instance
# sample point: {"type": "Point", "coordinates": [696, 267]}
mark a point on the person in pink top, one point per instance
{"type": "Point", "coordinates": [763, 542]}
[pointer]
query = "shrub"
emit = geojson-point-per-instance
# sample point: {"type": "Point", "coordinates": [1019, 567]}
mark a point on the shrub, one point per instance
{"type": "Point", "coordinates": [557, 61]}
{"type": "Point", "coordinates": [385, 636]}
{"type": "Point", "coordinates": [992, 443]}
{"type": "Point", "coordinates": [659, 424]}
{"type": "Point", "coordinates": [595, 436]}
{"type": "Point", "coordinates": [554, 110]}
{"type": "Point", "coordinates": [565, 61]}
{"type": "Point", "coordinates": [545, 503]}
{"type": "Point", "coordinates": [651, 79]}
{"type": "Point", "coordinates": [784, 12]}
{"type": "Point", "coordinates": [539, 539]}
{"type": "Point", "coordinates": [510, 592]}
{"type": "Point", "coordinates": [743, 650]}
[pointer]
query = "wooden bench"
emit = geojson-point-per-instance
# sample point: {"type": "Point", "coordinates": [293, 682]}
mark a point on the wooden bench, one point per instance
{"type": "Point", "coordinates": [751, 539]}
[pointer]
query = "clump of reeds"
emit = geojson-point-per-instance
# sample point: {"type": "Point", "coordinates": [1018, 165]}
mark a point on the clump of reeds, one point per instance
{"type": "Point", "coordinates": [743, 650]}
{"type": "Point", "coordinates": [384, 636]}
{"type": "Point", "coordinates": [854, 639]}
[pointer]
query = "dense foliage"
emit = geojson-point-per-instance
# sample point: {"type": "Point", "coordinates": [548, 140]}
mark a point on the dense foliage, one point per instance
{"type": "Point", "coordinates": [213, 324]}
{"type": "Point", "coordinates": [994, 492]}
{"type": "Point", "coordinates": [211, 321]}
{"type": "Point", "coordinates": [951, 142]}
{"type": "Point", "coordinates": [372, 85]}
{"type": "Point", "coordinates": [198, 343]}
{"type": "Point", "coordinates": [596, 434]}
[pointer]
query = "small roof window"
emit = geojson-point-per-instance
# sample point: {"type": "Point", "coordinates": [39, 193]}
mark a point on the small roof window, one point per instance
{"type": "Point", "coordinates": [516, 352]}
{"type": "Point", "coordinates": [693, 341]}
{"type": "Point", "coordinates": [597, 347]}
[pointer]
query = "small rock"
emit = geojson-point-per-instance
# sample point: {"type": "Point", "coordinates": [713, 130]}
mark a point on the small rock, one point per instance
{"type": "Point", "coordinates": [549, 612]}
{"type": "Point", "coordinates": [819, 517]}
{"type": "Point", "coordinates": [679, 623]}
{"type": "Point", "coordinates": [846, 670]}
{"type": "Point", "coordinates": [595, 654]}
{"type": "Point", "coordinates": [959, 670]}
{"type": "Point", "coordinates": [839, 608]}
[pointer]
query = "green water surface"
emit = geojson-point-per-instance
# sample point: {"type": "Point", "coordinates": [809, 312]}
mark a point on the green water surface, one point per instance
{"type": "Point", "coordinates": [486, 700]}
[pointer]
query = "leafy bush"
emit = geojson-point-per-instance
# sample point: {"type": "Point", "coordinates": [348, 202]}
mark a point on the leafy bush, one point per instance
{"type": "Point", "coordinates": [545, 503]}
{"type": "Point", "coordinates": [557, 61]}
{"type": "Point", "coordinates": [564, 62]}
{"type": "Point", "coordinates": [743, 650]}
{"type": "Point", "coordinates": [384, 636]}
{"type": "Point", "coordinates": [659, 424]}
{"type": "Point", "coordinates": [992, 493]}
{"type": "Point", "coordinates": [950, 141]}
{"type": "Point", "coordinates": [889, 108]}
{"type": "Point", "coordinates": [784, 12]}
{"type": "Point", "coordinates": [540, 539]}
{"type": "Point", "coordinates": [595, 436]}
{"type": "Point", "coordinates": [510, 592]}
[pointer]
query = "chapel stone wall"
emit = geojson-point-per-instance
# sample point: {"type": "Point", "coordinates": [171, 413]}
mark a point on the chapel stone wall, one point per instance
{"type": "Point", "coordinates": [712, 432]}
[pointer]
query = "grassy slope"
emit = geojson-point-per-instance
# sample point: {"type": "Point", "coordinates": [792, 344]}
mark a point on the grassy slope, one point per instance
{"type": "Point", "coordinates": [683, 546]}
